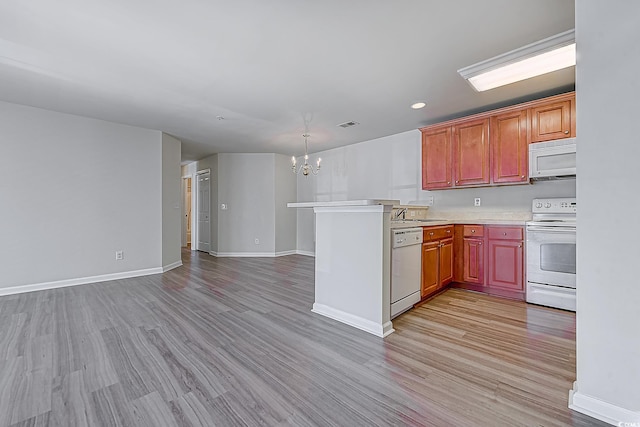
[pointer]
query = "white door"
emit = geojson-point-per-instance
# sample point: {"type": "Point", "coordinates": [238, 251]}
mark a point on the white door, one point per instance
{"type": "Point", "coordinates": [204, 206]}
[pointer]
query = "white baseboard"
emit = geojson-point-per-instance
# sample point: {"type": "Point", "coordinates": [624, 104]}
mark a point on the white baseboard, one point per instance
{"type": "Point", "coordinates": [306, 253]}
{"type": "Point", "coordinates": [380, 330]}
{"type": "Point", "coordinates": [79, 281]}
{"type": "Point", "coordinates": [601, 410]}
{"type": "Point", "coordinates": [251, 254]}
{"type": "Point", "coordinates": [285, 253]}
{"type": "Point", "coordinates": [243, 254]}
{"type": "Point", "coordinates": [171, 266]}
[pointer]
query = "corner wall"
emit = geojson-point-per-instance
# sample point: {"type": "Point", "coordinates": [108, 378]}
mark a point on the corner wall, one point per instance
{"type": "Point", "coordinates": [171, 202]}
{"type": "Point", "coordinates": [73, 192]}
{"type": "Point", "coordinates": [608, 293]}
{"type": "Point", "coordinates": [256, 189]}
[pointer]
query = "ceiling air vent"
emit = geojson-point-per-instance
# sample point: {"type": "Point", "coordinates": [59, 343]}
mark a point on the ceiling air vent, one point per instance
{"type": "Point", "coordinates": [348, 124]}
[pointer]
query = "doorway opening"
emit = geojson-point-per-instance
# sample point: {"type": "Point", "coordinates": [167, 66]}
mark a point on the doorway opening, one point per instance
{"type": "Point", "coordinates": [203, 206]}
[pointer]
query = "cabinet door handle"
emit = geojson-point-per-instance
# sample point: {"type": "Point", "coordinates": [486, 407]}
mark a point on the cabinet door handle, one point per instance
{"type": "Point", "coordinates": [566, 132]}
{"type": "Point", "coordinates": [457, 182]}
{"type": "Point", "coordinates": [519, 246]}
{"type": "Point", "coordinates": [473, 231]}
{"type": "Point", "coordinates": [431, 234]}
{"type": "Point", "coordinates": [479, 243]}
{"type": "Point", "coordinates": [522, 177]}
{"type": "Point", "coordinates": [504, 234]}
{"type": "Point", "coordinates": [448, 182]}
{"type": "Point", "coordinates": [448, 231]}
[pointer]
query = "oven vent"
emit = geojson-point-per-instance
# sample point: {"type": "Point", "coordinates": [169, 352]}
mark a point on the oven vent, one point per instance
{"type": "Point", "coordinates": [348, 124]}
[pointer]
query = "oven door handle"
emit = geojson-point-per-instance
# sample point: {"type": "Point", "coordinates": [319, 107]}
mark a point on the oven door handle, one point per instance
{"type": "Point", "coordinates": [552, 229]}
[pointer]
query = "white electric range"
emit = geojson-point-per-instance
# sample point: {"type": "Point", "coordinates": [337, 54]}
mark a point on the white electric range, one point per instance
{"type": "Point", "coordinates": [551, 253]}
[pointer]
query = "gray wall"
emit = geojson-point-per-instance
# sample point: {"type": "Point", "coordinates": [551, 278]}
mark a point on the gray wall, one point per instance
{"type": "Point", "coordinates": [73, 191]}
{"type": "Point", "coordinates": [608, 348]}
{"type": "Point", "coordinates": [285, 192]}
{"type": "Point", "coordinates": [245, 185]}
{"type": "Point", "coordinates": [390, 168]}
{"type": "Point", "coordinates": [171, 200]}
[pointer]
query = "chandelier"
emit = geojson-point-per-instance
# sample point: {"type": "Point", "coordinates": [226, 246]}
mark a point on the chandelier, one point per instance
{"type": "Point", "coordinates": [305, 168]}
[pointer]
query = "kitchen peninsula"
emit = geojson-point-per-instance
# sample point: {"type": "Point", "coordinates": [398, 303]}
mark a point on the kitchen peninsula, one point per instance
{"type": "Point", "coordinates": [353, 266]}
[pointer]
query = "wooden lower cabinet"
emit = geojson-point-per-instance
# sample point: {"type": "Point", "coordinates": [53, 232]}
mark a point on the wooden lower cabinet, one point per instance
{"type": "Point", "coordinates": [437, 259]}
{"type": "Point", "coordinates": [430, 280]}
{"type": "Point", "coordinates": [506, 258]}
{"type": "Point", "coordinates": [490, 259]}
{"type": "Point", "coordinates": [473, 261]}
{"type": "Point", "coordinates": [445, 262]}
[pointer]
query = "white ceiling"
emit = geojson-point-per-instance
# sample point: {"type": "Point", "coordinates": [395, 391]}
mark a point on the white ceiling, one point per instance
{"type": "Point", "coordinates": [267, 67]}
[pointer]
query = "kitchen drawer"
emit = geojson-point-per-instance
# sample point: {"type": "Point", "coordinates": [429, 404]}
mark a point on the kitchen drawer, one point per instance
{"type": "Point", "coordinates": [473, 230]}
{"type": "Point", "coordinates": [437, 233]}
{"type": "Point", "coordinates": [505, 233]}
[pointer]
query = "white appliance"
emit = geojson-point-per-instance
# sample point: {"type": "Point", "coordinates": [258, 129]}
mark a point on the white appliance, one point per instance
{"type": "Point", "coordinates": [552, 159]}
{"type": "Point", "coordinates": [406, 269]}
{"type": "Point", "coordinates": [551, 253]}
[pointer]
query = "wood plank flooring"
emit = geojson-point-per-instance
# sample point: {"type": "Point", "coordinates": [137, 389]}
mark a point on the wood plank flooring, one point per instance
{"type": "Point", "coordinates": [232, 342]}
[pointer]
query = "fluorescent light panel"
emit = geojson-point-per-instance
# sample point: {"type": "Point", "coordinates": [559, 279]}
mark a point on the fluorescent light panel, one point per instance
{"type": "Point", "coordinates": [545, 56]}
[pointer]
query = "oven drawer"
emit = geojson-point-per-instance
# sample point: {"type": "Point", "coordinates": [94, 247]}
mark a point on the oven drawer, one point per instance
{"type": "Point", "coordinates": [505, 233]}
{"type": "Point", "coordinates": [473, 231]}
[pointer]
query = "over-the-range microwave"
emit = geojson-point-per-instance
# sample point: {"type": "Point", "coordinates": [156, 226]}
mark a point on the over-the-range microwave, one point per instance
{"type": "Point", "coordinates": [552, 159]}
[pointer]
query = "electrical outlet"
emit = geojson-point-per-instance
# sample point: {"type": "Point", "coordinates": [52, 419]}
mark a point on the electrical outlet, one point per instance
{"type": "Point", "coordinates": [257, 241]}
{"type": "Point", "coordinates": [119, 255]}
{"type": "Point", "coordinates": [476, 201]}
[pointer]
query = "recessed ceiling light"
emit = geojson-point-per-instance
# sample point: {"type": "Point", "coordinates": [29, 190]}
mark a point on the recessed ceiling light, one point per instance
{"type": "Point", "coordinates": [418, 105]}
{"type": "Point", "coordinates": [551, 54]}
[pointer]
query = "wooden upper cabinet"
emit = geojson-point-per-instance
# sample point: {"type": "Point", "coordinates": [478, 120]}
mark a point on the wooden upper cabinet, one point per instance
{"type": "Point", "coordinates": [436, 158]}
{"type": "Point", "coordinates": [509, 147]}
{"type": "Point", "coordinates": [491, 148]}
{"type": "Point", "coordinates": [553, 120]}
{"type": "Point", "coordinates": [471, 152]}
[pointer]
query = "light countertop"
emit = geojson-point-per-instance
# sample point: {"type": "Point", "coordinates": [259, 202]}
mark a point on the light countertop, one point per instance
{"type": "Point", "coordinates": [434, 222]}
{"type": "Point", "coordinates": [364, 202]}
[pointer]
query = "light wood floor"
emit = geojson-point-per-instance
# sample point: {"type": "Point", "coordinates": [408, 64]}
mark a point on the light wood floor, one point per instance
{"type": "Point", "coordinates": [232, 341]}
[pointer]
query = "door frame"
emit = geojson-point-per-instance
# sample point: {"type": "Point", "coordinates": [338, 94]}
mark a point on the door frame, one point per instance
{"type": "Point", "coordinates": [194, 208]}
{"type": "Point", "coordinates": [183, 227]}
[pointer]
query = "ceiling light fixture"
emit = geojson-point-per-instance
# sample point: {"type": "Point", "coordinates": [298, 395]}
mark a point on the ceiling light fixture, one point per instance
{"type": "Point", "coordinates": [418, 105]}
{"type": "Point", "coordinates": [542, 57]}
{"type": "Point", "coordinates": [305, 168]}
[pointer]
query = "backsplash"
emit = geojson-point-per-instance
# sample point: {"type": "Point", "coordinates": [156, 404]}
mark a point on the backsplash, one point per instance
{"type": "Point", "coordinates": [411, 212]}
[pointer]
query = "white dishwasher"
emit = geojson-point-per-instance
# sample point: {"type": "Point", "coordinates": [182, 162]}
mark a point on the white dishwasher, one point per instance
{"type": "Point", "coordinates": [406, 269]}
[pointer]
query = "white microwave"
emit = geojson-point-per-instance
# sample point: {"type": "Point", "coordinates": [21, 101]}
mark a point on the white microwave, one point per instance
{"type": "Point", "coordinates": [552, 159]}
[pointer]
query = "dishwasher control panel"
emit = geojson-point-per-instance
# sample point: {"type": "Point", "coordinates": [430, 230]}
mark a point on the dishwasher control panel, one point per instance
{"type": "Point", "coordinates": [406, 237]}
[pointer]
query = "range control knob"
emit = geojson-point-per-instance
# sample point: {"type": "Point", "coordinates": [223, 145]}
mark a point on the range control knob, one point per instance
{"type": "Point", "coordinates": [547, 205]}
{"type": "Point", "coordinates": [539, 205]}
